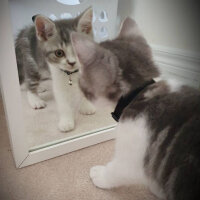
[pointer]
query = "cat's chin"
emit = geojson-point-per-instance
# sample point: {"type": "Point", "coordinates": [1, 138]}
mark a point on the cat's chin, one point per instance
{"type": "Point", "coordinates": [69, 69]}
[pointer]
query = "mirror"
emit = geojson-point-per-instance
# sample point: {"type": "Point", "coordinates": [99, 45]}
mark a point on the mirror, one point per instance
{"type": "Point", "coordinates": [54, 109]}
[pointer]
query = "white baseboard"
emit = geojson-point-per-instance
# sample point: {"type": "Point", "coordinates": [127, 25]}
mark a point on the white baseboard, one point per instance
{"type": "Point", "coordinates": [178, 64]}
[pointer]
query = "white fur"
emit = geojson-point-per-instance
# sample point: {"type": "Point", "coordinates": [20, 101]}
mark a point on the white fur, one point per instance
{"type": "Point", "coordinates": [127, 164]}
{"type": "Point", "coordinates": [174, 85]}
{"type": "Point", "coordinates": [70, 54]}
{"type": "Point", "coordinates": [69, 98]}
{"type": "Point", "coordinates": [102, 102]}
{"type": "Point", "coordinates": [35, 101]}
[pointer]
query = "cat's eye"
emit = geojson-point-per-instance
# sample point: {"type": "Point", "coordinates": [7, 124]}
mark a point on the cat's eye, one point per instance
{"type": "Point", "coordinates": [59, 53]}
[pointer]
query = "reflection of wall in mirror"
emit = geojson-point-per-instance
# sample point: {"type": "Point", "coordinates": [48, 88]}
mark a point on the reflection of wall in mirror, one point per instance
{"type": "Point", "coordinates": [23, 10]}
{"type": "Point", "coordinates": [104, 13]}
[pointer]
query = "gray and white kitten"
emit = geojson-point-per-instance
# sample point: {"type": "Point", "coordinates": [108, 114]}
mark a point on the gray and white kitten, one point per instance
{"type": "Point", "coordinates": [158, 135]}
{"type": "Point", "coordinates": [45, 46]}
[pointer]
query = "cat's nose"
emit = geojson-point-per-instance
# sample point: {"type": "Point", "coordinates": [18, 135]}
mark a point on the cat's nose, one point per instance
{"type": "Point", "coordinates": [71, 63]}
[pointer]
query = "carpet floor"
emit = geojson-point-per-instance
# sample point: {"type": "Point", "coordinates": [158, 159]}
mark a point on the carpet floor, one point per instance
{"type": "Point", "coordinates": [41, 125]}
{"type": "Point", "coordinates": [62, 178]}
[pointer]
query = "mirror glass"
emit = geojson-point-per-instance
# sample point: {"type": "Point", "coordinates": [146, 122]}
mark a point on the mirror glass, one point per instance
{"type": "Point", "coordinates": [53, 107]}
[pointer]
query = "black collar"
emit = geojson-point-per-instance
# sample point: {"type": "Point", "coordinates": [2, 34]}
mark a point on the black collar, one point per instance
{"type": "Point", "coordinates": [125, 100]}
{"type": "Point", "coordinates": [68, 72]}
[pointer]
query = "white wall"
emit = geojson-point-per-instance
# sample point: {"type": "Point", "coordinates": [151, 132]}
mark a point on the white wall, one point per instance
{"type": "Point", "coordinates": [22, 11]}
{"type": "Point", "coordinates": [169, 23]}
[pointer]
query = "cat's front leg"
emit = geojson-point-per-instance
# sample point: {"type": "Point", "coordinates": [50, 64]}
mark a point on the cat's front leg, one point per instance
{"type": "Point", "coordinates": [32, 84]}
{"type": "Point", "coordinates": [35, 101]}
{"type": "Point", "coordinates": [66, 112]}
{"type": "Point", "coordinates": [108, 176]}
{"type": "Point", "coordinates": [66, 123]}
{"type": "Point", "coordinates": [65, 99]}
{"type": "Point", "coordinates": [127, 166]}
{"type": "Point", "coordinates": [98, 176]}
{"type": "Point", "coordinates": [86, 107]}
{"type": "Point", "coordinates": [65, 109]}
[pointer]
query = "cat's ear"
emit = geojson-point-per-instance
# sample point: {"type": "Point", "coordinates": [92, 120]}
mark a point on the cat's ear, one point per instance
{"type": "Point", "coordinates": [129, 28]}
{"type": "Point", "coordinates": [45, 28]}
{"type": "Point", "coordinates": [85, 22]}
{"type": "Point", "coordinates": [84, 47]}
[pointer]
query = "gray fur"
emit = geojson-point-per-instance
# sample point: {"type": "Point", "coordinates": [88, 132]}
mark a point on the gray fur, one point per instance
{"type": "Point", "coordinates": [114, 68]}
{"type": "Point", "coordinates": [108, 68]}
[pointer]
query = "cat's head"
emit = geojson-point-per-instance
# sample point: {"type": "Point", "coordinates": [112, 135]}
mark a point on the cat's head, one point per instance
{"type": "Point", "coordinates": [54, 38]}
{"type": "Point", "coordinates": [113, 68]}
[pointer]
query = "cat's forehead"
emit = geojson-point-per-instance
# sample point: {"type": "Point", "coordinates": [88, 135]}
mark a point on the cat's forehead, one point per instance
{"type": "Point", "coordinates": [52, 46]}
{"type": "Point", "coordinates": [64, 28]}
{"type": "Point", "coordinates": [60, 41]}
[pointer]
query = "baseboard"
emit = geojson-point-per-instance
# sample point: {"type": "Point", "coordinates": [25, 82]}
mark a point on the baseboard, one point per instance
{"type": "Point", "coordinates": [178, 64]}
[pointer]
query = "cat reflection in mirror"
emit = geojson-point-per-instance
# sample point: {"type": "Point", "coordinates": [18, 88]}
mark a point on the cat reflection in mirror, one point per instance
{"type": "Point", "coordinates": [47, 46]}
{"type": "Point", "coordinates": [158, 134]}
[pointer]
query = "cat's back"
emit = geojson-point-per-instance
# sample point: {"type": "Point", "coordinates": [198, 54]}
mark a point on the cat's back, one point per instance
{"type": "Point", "coordinates": [28, 53]}
{"type": "Point", "coordinates": [26, 43]}
{"type": "Point", "coordinates": [25, 37]}
{"type": "Point", "coordinates": [166, 97]}
{"type": "Point", "coordinates": [172, 113]}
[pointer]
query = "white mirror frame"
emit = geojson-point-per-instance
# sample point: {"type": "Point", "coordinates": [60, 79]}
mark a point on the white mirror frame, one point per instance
{"type": "Point", "coordinates": [10, 90]}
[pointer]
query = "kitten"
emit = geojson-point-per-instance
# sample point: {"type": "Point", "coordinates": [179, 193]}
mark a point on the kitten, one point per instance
{"type": "Point", "coordinates": [158, 135]}
{"type": "Point", "coordinates": [47, 46]}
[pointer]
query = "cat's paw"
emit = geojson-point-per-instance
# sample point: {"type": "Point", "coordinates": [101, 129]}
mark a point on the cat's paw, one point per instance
{"type": "Point", "coordinates": [38, 104]}
{"type": "Point", "coordinates": [65, 125]}
{"type": "Point", "coordinates": [35, 101]}
{"type": "Point", "coordinates": [98, 176]}
{"type": "Point", "coordinates": [87, 109]}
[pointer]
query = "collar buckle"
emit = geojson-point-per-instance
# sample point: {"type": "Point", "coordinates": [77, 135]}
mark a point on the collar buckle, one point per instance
{"type": "Point", "coordinates": [69, 74]}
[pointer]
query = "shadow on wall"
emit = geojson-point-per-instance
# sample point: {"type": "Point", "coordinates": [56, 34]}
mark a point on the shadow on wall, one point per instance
{"type": "Point", "coordinates": [125, 8]}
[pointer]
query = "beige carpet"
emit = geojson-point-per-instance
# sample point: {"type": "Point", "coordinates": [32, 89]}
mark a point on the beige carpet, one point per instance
{"type": "Point", "coordinates": [41, 125]}
{"type": "Point", "coordinates": [62, 178]}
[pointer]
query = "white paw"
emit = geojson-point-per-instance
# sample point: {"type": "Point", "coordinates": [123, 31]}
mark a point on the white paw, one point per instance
{"type": "Point", "coordinates": [98, 176]}
{"type": "Point", "coordinates": [39, 104]}
{"type": "Point", "coordinates": [35, 101]}
{"type": "Point", "coordinates": [65, 125]}
{"type": "Point", "coordinates": [87, 109]}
